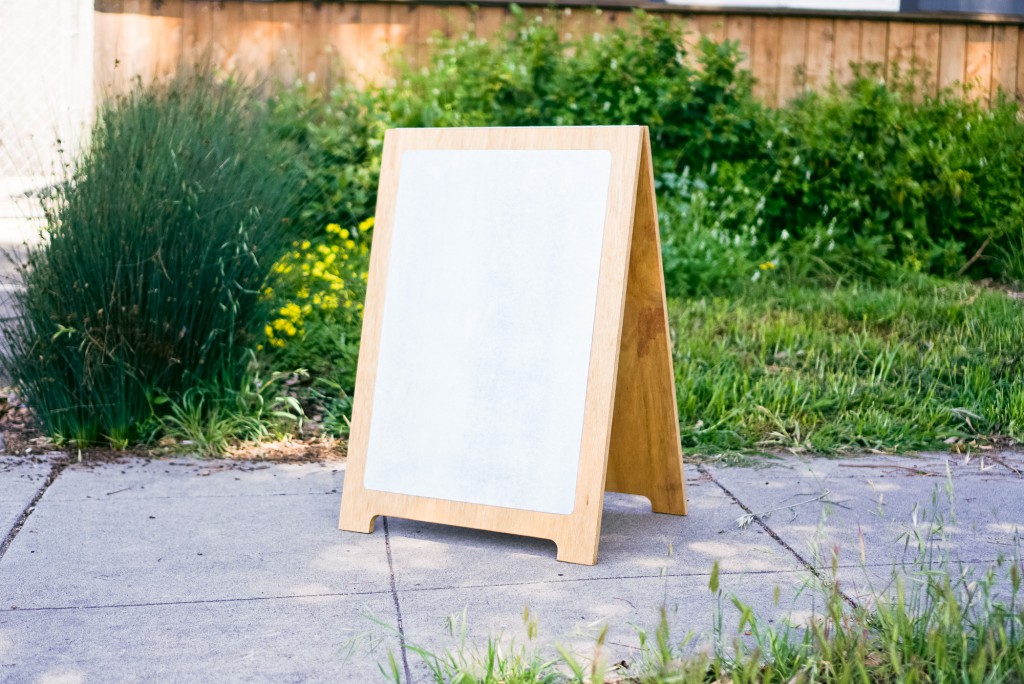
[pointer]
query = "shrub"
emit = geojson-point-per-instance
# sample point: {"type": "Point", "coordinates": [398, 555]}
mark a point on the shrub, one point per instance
{"type": "Point", "coordinates": [339, 136]}
{"type": "Point", "coordinates": [317, 293]}
{"type": "Point", "coordinates": [695, 104]}
{"type": "Point", "coordinates": [931, 184]}
{"type": "Point", "coordinates": [157, 247]}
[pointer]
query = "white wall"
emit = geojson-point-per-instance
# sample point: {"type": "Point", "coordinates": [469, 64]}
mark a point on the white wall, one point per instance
{"type": "Point", "coordinates": [45, 82]}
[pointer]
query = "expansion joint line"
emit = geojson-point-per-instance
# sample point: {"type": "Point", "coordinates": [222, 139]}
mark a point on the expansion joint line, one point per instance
{"type": "Point", "coordinates": [771, 533]}
{"type": "Point", "coordinates": [398, 606]}
{"type": "Point", "coordinates": [55, 470]}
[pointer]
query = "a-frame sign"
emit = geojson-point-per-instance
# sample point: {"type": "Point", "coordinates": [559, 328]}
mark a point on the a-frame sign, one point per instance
{"type": "Point", "coordinates": [515, 359]}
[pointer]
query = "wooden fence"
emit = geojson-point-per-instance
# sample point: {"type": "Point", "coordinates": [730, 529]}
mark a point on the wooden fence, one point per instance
{"type": "Point", "coordinates": [309, 40]}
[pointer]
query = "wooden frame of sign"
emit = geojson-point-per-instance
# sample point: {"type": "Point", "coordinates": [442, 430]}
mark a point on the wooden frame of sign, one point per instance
{"type": "Point", "coordinates": [630, 438]}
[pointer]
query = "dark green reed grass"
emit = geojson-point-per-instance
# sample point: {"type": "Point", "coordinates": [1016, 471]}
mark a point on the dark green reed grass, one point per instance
{"type": "Point", "coordinates": [156, 246]}
{"type": "Point", "coordinates": [903, 366]}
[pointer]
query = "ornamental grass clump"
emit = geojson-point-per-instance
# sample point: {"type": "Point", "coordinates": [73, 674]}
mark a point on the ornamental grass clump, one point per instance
{"type": "Point", "coordinates": [157, 246]}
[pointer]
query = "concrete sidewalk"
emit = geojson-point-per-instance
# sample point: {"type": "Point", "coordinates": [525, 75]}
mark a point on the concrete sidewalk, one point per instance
{"type": "Point", "coordinates": [187, 570]}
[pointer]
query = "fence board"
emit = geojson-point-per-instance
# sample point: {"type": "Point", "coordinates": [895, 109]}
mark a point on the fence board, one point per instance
{"type": "Point", "coordinates": [792, 58]}
{"type": "Point", "coordinates": [952, 54]}
{"type": "Point", "coordinates": [927, 44]}
{"type": "Point", "coordinates": [490, 20]}
{"type": "Point", "coordinates": [873, 39]}
{"type": "Point", "coordinates": [314, 60]}
{"type": "Point", "coordinates": [1020, 65]}
{"type": "Point", "coordinates": [978, 63]}
{"type": "Point", "coordinates": [741, 29]}
{"type": "Point", "coordinates": [900, 48]}
{"type": "Point", "coordinates": [765, 58]}
{"type": "Point", "coordinates": [847, 48]}
{"type": "Point", "coordinates": [821, 44]}
{"type": "Point", "coordinates": [711, 25]}
{"type": "Point", "coordinates": [1004, 59]}
{"type": "Point", "coordinates": [312, 40]}
{"type": "Point", "coordinates": [286, 41]}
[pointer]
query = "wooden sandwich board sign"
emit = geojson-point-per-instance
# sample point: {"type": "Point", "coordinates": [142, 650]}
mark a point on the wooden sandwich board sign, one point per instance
{"type": "Point", "coordinates": [515, 358]}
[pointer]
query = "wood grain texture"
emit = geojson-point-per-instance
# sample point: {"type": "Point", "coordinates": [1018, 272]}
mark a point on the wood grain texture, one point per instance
{"type": "Point", "coordinates": [873, 40]}
{"type": "Point", "coordinates": [645, 457]}
{"type": "Point", "coordinates": [1020, 65]}
{"type": "Point", "coordinates": [711, 25]}
{"type": "Point", "coordinates": [900, 48]}
{"type": "Point", "coordinates": [927, 46]}
{"type": "Point", "coordinates": [978, 62]}
{"type": "Point", "coordinates": [286, 44]}
{"type": "Point", "coordinates": [577, 534]}
{"type": "Point", "coordinates": [1005, 45]}
{"type": "Point", "coordinates": [821, 46]}
{"type": "Point", "coordinates": [740, 28]}
{"type": "Point", "coordinates": [150, 38]}
{"type": "Point", "coordinates": [765, 59]}
{"type": "Point", "coordinates": [953, 52]}
{"type": "Point", "coordinates": [847, 50]}
{"type": "Point", "coordinates": [792, 58]}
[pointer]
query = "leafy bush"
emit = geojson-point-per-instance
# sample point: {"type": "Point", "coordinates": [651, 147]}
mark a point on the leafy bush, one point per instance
{"type": "Point", "coordinates": [317, 292]}
{"type": "Point", "coordinates": [933, 185]}
{"type": "Point", "coordinates": [156, 250]}
{"type": "Point", "coordinates": [530, 75]}
{"type": "Point", "coordinates": [339, 135]}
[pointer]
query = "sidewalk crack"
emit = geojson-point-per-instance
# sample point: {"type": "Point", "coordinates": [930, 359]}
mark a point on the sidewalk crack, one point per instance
{"type": "Point", "coordinates": [779, 540]}
{"type": "Point", "coordinates": [398, 606]}
{"type": "Point", "coordinates": [55, 469]}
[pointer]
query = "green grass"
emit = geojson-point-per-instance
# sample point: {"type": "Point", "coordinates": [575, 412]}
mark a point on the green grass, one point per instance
{"type": "Point", "coordinates": [933, 621]}
{"type": "Point", "coordinates": [893, 368]}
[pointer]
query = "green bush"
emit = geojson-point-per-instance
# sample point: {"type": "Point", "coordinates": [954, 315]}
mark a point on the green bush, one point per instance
{"type": "Point", "coordinates": [339, 136]}
{"type": "Point", "coordinates": [897, 181]}
{"type": "Point", "coordinates": [695, 104]}
{"type": "Point", "coordinates": [157, 246]}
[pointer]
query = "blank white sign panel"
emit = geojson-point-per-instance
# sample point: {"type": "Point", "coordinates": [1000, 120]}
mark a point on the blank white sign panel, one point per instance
{"type": "Point", "coordinates": [487, 326]}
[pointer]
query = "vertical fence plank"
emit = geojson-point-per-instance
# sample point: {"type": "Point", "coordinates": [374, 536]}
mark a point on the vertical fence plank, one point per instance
{"type": "Point", "coordinates": [106, 70]}
{"type": "Point", "coordinates": [1005, 41]}
{"type": "Point", "coordinates": [136, 47]}
{"type": "Point", "coordinates": [792, 58]}
{"type": "Point", "coordinates": [978, 64]}
{"type": "Point", "coordinates": [369, 56]}
{"type": "Point", "coordinates": [847, 48]}
{"type": "Point", "coordinates": [765, 59]}
{"type": "Point", "coordinates": [300, 39]}
{"type": "Point", "coordinates": [1020, 65]}
{"type": "Point", "coordinates": [342, 36]}
{"type": "Point", "coordinates": [711, 25]}
{"type": "Point", "coordinates": [197, 32]}
{"type": "Point", "coordinates": [286, 48]}
{"type": "Point", "coordinates": [873, 40]}
{"type": "Point", "coordinates": [430, 25]}
{"type": "Point", "coordinates": [256, 40]}
{"type": "Point", "coordinates": [741, 29]}
{"type": "Point", "coordinates": [821, 44]}
{"type": "Point", "coordinates": [952, 53]}
{"type": "Point", "coordinates": [490, 20]}
{"type": "Point", "coordinates": [313, 67]}
{"type": "Point", "coordinates": [927, 40]}
{"type": "Point", "coordinates": [900, 48]}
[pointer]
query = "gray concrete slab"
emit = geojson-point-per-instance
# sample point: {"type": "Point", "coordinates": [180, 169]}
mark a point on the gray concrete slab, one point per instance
{"type": "Point", "coordinates": [140, 532]}
{"type": "Point", "coordinates": [183, 569]}
{"type": "Point", "coordinates": [20, 481]}
{"type": "Point", "coordinates": [573, 613]}
{"type": "Point", "coordinates": [311, 639]}
{"type": "Point", "coordinates": [634, 543]}
{"type": "Point", "coordinates": [883, 512]}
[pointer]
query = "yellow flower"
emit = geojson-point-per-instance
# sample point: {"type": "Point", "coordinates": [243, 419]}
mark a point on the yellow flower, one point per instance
{"type": "Point", "coordinates": [366, 225]}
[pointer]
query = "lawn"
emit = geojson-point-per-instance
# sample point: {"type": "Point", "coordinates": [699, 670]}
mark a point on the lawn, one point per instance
{"type": "Point", "coordinates": [910, 366]}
